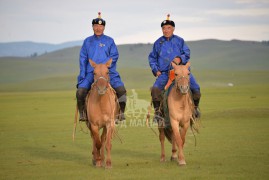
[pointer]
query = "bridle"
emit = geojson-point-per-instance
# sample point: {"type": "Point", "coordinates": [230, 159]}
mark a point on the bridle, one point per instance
{"type": "Point", "coordinates": [182, 88]}
{"type": "Point", "coordinates": [101, 91]}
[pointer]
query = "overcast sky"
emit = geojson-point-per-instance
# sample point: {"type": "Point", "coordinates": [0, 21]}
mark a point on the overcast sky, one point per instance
{"type": "Point", "coordinates": [134, 21]}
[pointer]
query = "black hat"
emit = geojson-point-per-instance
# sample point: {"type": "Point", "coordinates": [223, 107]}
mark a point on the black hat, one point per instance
{"type": "Point", "coordinates": [168, 22]}
{"type": "Point", "coordinates": [99, 20]}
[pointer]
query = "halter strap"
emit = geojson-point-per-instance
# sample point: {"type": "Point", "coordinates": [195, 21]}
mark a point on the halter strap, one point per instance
{"type": "Point", "coordinates": [101, 77]}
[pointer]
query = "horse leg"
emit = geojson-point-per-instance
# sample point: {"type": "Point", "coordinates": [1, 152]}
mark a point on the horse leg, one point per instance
{"type": "Point", "coordinates": [97, 144]}
{"type": "Point", "coordinates": [162, 138]}
{"type": "Point", "coordinates": [94, 152]}
{"type": "Point", "coordinates": [103, 141]}
{"type": "Point", "coordinates": [183, 132]}
{"type": "Point", "coordinates": [109, 146]}
{"type": "Point", "coordinates": [174, 149]}
{"type": "Point", "coordinates": [175, 127]}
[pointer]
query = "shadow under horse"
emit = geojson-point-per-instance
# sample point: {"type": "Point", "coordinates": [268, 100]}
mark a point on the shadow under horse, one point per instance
{"type": "Point", "coordinates": [102, 109]}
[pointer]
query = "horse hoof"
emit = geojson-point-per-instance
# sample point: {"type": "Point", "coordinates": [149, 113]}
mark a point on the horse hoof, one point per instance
{"type": "Point", "coordinates": [108, 165]}
{"type": "Point", "coordinates": [173, 158]}
{"type": "Point", "coordinates": [93, 162]}
{"type": "Point", "coordinates": [182, 163]}
{"type": "Point", "coordinates": [162, 160]}
{"type": "Point", "coordinates": [98, 164]}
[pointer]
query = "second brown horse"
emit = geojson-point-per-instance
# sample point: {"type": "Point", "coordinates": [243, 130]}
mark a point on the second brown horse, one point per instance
{"type": "Point", "coordinates": [181, 109]}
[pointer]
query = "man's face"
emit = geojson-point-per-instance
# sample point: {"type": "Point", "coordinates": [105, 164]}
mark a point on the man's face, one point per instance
{"type": "Point", "coordinates": [98, 29]}
{"type": "Point", "coordinates": [168, 31]}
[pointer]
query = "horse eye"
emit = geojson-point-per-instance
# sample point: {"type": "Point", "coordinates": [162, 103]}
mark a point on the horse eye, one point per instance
{"type": "Point", "coordinates": [176, 74]}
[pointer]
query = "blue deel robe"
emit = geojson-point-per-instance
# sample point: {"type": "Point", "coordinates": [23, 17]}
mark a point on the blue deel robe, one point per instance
{"type": "Point", "coordinates": [163, 53]}
{"type": "Point", "coordinates": [100, 50]}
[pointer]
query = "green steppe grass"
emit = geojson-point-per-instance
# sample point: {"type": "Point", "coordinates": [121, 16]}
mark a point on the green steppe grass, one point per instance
{"type": "Point", "coordinates": [36, 138]}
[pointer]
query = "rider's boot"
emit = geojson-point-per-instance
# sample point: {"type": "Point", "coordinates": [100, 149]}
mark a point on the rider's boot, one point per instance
{"type": "Point", "coordinates": [122, 110]}
{"type": "Point", "coordinates": [121, 94]}
{"type": "Point", "coordinates": [196, 100]}
{"type": "Point", "coordinates": [156, 95]}
{"type": "Point", "coordinates": [81, 96]}
{"type": "Point", "coordinates": [157, 114]}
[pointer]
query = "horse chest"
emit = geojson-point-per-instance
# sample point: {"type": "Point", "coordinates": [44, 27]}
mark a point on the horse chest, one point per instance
{"type": "Point", "coordinates": [100, 109]}
{"type": "Point", "coordinates": [179, 110]}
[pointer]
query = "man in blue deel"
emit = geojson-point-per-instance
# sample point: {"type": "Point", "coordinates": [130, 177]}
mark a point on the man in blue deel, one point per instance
{"type": "Point", "coordinates": [100, 48]}
{"type": "Point", "coordinates": [169, 48]}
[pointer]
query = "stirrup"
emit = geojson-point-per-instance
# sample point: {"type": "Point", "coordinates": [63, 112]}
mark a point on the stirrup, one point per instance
{"type": "Point", "coordinates": [83, 119]}
{"type": "Point", "coordinates": [157, 117]}
{"type": "Point", "coordinates": [197, 113]}
{"type": "Point", "coordinates": [120, 117]}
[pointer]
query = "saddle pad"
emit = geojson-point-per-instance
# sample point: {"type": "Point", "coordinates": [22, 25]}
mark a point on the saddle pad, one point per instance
{"type": "Point", "coordinates": [165, 106]}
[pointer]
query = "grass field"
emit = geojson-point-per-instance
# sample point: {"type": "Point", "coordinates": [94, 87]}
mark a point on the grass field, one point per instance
{"type": "Point", "coordinates": [36, 139]}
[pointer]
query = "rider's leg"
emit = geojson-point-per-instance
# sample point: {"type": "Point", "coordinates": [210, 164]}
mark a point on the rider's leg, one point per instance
{"type": "Point", "coordinates": [156, 95]}
{"type": "Point", "coordinates": [121, 94]}
{"type": "Point", "coordinates": [81, 97]}
{"type": "Point", "coordinates": [83, 88]}
{"type": "Point", "coordinates": [156, 101]}
{"type": "Point", "coordinates": [195, 89]}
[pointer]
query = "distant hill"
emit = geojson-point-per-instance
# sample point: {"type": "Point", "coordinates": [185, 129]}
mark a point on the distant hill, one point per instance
{"type": "Point", "coordinates": [205, 54]}
{"type": "Point", "coordinates": [27, 48]}
{"type": "Point", "coordinates": [62, 66]}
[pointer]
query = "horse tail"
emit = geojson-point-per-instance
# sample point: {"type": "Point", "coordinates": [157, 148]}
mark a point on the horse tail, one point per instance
{"type": "Point", "coordinates": [115, 132]}
{"type": "Point", "coordinates": [168, 134]}
{"type": "Point", "coordinates": [195, 125]}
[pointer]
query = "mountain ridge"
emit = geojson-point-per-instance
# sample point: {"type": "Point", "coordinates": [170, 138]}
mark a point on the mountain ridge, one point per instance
{"type": "Point", "coordinates": [30, 49]}
{"type": "Point", "coordinates": [33, 49]}
{"type": "Point", "coordinates": [214, 60]}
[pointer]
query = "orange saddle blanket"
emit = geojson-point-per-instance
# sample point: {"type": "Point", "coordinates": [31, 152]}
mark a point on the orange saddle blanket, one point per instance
{"type": "Point", "coordinates": [171, 78]}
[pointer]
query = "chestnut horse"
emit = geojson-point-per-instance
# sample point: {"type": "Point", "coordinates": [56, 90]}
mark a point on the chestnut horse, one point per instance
{"type": "Point", "coordinates": [102, 109]}
{"type": "Point", "coordinates": [181, 109]}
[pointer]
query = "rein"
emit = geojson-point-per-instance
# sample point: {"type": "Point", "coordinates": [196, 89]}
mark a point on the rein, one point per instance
{"type": "Point", "coordinates": [178, 87]}
{"type": "Point", "coordinates": [96, 81]}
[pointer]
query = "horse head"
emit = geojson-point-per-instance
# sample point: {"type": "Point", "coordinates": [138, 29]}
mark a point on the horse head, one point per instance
{"type": "Point", "coordinates": [101, 76]}
{"type": "Point", "coordinates": [182, 77]}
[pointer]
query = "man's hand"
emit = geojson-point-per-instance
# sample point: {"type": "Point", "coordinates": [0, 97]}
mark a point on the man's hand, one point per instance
{"type": "Point", "coordinates": [158, 73]}
{"type": "Point", "coordinates": [177, 60]}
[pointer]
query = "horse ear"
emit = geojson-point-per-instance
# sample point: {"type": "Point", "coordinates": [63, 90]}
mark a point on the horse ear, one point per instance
{"type": "Point", "coordinates": [173, 65]}
{"type": "Point", "coordinates": [93, 64]}
{"type": "Point", "coordinates": [188, 64]}
{"type": "Point", "coordinates": [108, 63]}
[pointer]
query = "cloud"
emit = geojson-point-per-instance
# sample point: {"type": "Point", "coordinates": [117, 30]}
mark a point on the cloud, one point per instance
{"type": "Point", "coordinates": [252, 1]}
{"type": "Point", "coordinates": [137, 21]}
{"type": "Point", "coordinates": [242, 32]}
{"type": "Point", "coordinates": [252, 12]}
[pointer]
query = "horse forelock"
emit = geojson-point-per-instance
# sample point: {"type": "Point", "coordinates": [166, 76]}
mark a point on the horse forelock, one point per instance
{"type": "Point", "coordinates": [101, 78]}
{"type": "Point", "coordinates": [182, 78]}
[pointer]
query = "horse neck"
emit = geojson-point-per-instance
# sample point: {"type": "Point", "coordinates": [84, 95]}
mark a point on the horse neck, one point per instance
{"type": "Point", "coordinates": [179, 98]}
{"type": "Point", "coordinates": [102, 98]}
